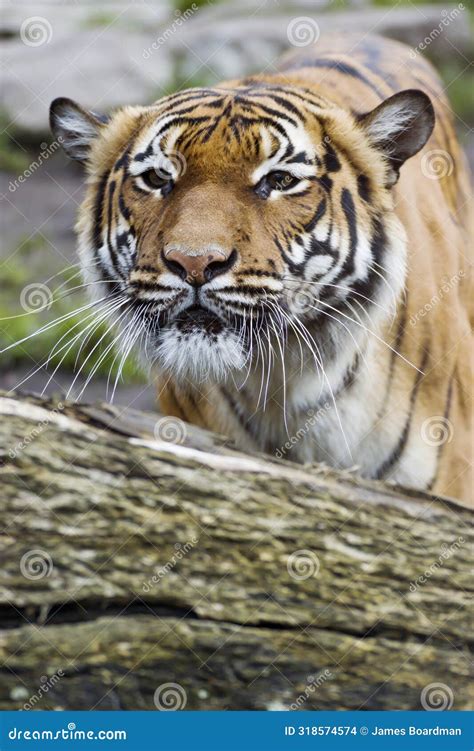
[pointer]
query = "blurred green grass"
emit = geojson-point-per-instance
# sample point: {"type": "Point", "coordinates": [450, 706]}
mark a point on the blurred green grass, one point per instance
{"type": "Point", "coordinates": [16, 324]}
{"type": "Point", "coordinates": [13, 159]}
{"type": "Point", "coordinates": [459, 83]}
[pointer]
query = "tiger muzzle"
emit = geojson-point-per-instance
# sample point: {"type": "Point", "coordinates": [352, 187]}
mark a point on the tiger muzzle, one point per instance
{"type": "Point", "coordinates": [197, 266]}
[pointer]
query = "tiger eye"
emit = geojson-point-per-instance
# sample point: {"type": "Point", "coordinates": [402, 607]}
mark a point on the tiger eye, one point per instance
{"type": "Point", "coordinates": [156, 180]}
{"type": "Point", "coordinates": [277, 180]}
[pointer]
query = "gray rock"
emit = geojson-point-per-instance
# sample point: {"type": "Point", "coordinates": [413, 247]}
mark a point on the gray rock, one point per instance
{"type": "Point", "coordinates": [109, 54]}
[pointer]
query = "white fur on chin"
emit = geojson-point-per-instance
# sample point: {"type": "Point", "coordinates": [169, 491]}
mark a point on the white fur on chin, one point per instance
{"type": "Point", "coordinates": [199, 357]}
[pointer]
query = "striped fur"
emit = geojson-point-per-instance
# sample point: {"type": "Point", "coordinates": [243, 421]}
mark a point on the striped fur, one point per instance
{"type": "Point", "coordinates": [324, 239]}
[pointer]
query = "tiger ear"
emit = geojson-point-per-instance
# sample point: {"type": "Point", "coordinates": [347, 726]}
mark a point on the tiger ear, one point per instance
{"type": "Point", "coordinates": [74, 127]}
{"type": "Point", "coordinates": [400, 127]}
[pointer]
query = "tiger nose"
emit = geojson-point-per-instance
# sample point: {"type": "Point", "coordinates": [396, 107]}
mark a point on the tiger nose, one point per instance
{"type": "Point", "coordinates": [199, 267]}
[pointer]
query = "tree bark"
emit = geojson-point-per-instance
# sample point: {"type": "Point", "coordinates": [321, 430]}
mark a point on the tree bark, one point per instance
{"type": "Point", "coordinates": [138, 551]}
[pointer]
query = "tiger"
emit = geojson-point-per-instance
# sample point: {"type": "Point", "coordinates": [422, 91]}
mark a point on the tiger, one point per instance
{"type": "Point", "coordinates": [289, 252]}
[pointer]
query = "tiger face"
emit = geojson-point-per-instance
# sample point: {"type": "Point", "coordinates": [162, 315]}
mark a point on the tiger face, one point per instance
{"type": "Point", "coordinates": [218, 217]}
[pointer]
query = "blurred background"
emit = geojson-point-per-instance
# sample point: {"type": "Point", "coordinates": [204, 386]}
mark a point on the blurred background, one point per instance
{"type": "Point", "coordinates": [105, 54]}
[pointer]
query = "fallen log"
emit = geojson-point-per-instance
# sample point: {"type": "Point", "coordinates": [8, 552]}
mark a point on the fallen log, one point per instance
{"type": "Point", "coordinates": [147, 564]}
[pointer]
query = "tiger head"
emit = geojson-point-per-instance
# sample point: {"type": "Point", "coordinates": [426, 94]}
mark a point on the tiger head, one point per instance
{"type": "Point", "coordinates": [218, 216]}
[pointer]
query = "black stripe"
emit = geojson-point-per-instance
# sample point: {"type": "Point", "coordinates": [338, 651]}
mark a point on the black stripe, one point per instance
{"type": "Point", "coordinates": [363, 187]}
{"type": "Point", "coordinates": [351, 373]}
{"type": "Point", "coordinates": [300, 158]}
{"type": "Point", "coordinates": [321, 248]}
{"type": "Point", "coordinates": [142, 155]}
{"type": "Point", "coordinates": [248, 291]}
{"type": "Point", "coordinates": [123, 160]}
{"type": "Point", "coordinates": [447, 410]}
{"type": "Point", "coordinates": [331, 162]}
{"type": "Point", "coordinates": [125, 211]}
{"type": "Point", "coordinates": [348, 208]}
{"type": "Point", "coordinates": [123, 246]}
{"type": "Point", "coordinates": [378, 245]}
{"type": "Point", "coordinates": [387, 466]}
{"type": "Point", "coordinates": [272, 112]}
{"type": "Point", "coordinates": [207, 132]}
{"type": "Point", "coordinates": [249, 121]}
{"type": "Point", "coordinates": [177, 120]}
{"type": "Point", "coordinates": [276, 98]}
{"type": "Point", "coordinates": [195, 405]}
{"type": "Point", "coordinates": [258, 272]}
{"type": "Point", "coordinates": [98, 204]}
{"type": "Point", "coordinates": [112, 252]}
{"type": "Point", "coordinates": [192, 108]}
{"type": "Point", "coordinates": [341, 67]}
{"type": "Point", "coordinates": [238, 412]}
{"type": "Point", "coordinates": [147, 269]}
{"type": "Point", "coordinates": [373, 55]}
{"type": "Point", "coordinates": [96, 234]}
{"type": "Point", "coordinates": [187, 95]}
{"type": "Point", "coordinates": [325, 182]}
{"type": "Point", "coordinates": [139, 284]}
{"type": "Point", "coordinates": [396, 348]}
{"type": "Point", "coordinates": [319, 213]}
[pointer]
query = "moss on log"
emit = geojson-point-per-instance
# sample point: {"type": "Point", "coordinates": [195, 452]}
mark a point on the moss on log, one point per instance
{"type": "Point", "coordinates": [138, 551]}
